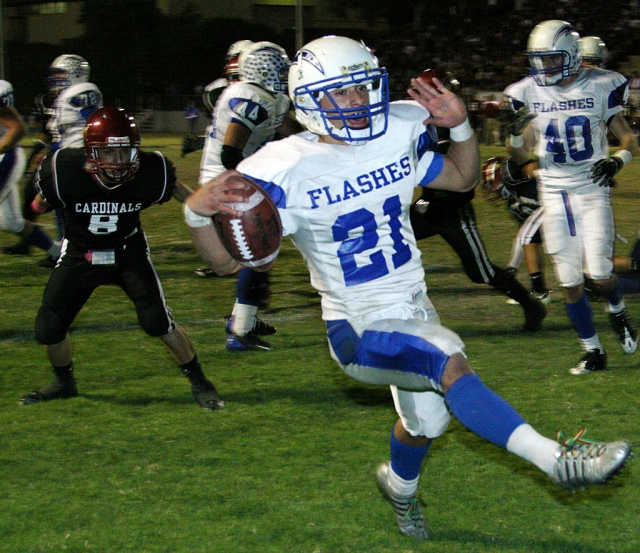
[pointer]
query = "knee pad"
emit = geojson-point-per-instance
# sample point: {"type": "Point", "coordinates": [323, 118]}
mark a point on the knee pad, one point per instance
{"type": "Point", "coordinates": [154, 318]}
{"type": "Point", "coordinates": [49, 328]}
{"type": "Point", "coordinates": [422, 413]}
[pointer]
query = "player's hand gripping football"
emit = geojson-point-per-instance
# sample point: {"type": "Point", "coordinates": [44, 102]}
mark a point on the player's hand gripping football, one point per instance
{"type": "Point", "coordinates": [216, 195]}
{"type": "Point", "coordinates": [445, 108]}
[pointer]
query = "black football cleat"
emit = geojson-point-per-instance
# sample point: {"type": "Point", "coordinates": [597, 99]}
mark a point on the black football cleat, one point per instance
{"type": "Point", "coordinates": [19, 248]}
{"type": "Point", "coordinates": [207, 396]}
{"type": "Point", "coordinates": [55, 390]}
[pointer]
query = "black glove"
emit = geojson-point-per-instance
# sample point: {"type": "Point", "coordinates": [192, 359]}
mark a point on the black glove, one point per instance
{"type": "Point", "coordinates": [604, 170]}
{"type": "Point", "coordinates": [518, 120]}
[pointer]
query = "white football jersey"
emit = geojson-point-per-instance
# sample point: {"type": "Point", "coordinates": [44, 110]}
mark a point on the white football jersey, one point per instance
{"type": "Point", "coordinates": [347, 210]}
{"type": "Point", "coordinates": [571, 123]}
{"type": "Point", "coordinates": [6, 100]}
{"type": "Point", "coordinates": [71, 109]}
{"type": "Point", "coordinates": [247, 104]}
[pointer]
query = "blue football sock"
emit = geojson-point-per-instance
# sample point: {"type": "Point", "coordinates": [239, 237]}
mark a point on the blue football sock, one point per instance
{"type": "Point", "coordinates": [481, 410]}
{"type": "Point", "coordinates": [581, 316]}
{"type": "Point", "coordinates": [249, 282]}
{"type": "Point", "coordinates": [406, 460]}
{"type": "Point", "coordinates": [629, 284]}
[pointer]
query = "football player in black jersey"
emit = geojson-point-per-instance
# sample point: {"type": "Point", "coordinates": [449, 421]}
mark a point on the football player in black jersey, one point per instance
{"type": "Point", "coordinates": [102, 188]}
{"type": "Point", "coordinates": [452, 216]}
{"type": "Point", "coordinates": [504, 180]}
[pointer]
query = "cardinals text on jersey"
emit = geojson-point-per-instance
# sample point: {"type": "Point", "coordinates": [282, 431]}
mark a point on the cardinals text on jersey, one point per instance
{"type": "Point", "coordinates": [95, 218]}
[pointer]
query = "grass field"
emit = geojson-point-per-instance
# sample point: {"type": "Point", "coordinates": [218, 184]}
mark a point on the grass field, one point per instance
{"type": "Point", "coordinates": [133, 465]}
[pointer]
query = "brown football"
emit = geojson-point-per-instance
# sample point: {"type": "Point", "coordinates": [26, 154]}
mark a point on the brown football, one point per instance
{"type": "Point", "coordinates": [428, 74]}
{"type": "Point", "coordinates": [252, 239]}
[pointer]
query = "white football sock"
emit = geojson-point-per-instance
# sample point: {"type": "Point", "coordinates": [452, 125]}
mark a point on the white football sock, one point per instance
{"type": "Point", "coordinates": [402, 487]}
{"type": "Point", "coordinates": [591, 343]}
{"type": "Point", "coordinates": [525, 442]}
{"type": "Point", "coordinates": [244, 318]}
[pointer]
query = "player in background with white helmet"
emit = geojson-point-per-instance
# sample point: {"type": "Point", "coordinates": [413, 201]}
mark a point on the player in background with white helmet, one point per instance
{"type": "Point", "coordinates": [504, 179]}
{"type": "Point", "coordinates": [249, 113]}
{"type": "Point", "coordinates": [231, 75]}
{"type": "Point", "coordinates": [343, 191]}
{"type": "Point", "coordinates": [75, 99]}
{"type": "Point", "coordinates": [12, 166]}
{"type": "Point", "coordinates": [210, 97]}
{"type": "Point", "coordinates": [594, 51]}
{"type": "Point", "coordinates": [561, 114]}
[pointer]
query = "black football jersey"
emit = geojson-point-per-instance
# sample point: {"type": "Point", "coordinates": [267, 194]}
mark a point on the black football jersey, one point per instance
{"type": "Point", "coordinates": [96, 218]}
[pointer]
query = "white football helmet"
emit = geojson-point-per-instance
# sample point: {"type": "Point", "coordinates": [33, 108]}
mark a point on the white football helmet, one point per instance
{"type": "Point", "coordinates": [333, 63]}
{"type": "Point", "coordinates": [231, 69]}
{"type": "Point", "coordinates": [549, 39]}
{"type": "Point", "coordinates": [594, 51]}
{"type": "Point", "coordinates": [67, 70]}
{"type": "Point", "coordinates": [265, 64]}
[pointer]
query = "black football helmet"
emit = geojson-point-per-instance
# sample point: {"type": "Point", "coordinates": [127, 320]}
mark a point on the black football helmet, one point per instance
{"type": "Point", "coordinates": [110, 128]}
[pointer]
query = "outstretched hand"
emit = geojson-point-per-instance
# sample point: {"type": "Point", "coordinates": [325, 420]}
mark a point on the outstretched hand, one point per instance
{"type": "Point", "coordinates": [214, 196]}
{"type": "Point", "coordinates": [445, 108]}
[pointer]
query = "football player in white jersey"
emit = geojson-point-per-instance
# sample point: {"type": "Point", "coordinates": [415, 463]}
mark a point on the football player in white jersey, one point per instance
{"type": "Point", "coordinates": [562, 113]}
{"type": "Point", "coordinates": [210, 98]}
{"type": "Point", "coordinates": [248, 114]}
{"type": "Point", "coordinates": [594, 52]}
{"type": "Point", "coordinates": [12, 166]}
{"type": "Point", "coordinates": [343, 191]}
{"type": "Point", "coordinates": [76, 99]}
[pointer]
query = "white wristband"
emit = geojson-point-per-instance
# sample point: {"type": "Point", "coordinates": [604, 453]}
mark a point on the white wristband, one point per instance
{"type": "Point", "coordinates": [516, 141]}
{"type": "Point", "coordinates": [462, 132]}
{"type": "Point", "coordinates": [193, 219]}
{"type": "Point", "coordinates": [624, 156]}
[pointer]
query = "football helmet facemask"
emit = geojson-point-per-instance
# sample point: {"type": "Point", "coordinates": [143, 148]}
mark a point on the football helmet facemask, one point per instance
{"type": "Point", "coordinates": [231, 69]}
{"type": "Point", "coordinates": [265, 64]}
{"type": "Point", "coordinates": [333, 63]}
{"type": "Point", "coordinates": [67, 70]}
{"type": "Point", "coordinates": [594, 51]}
{"type": "Point", "coordinates": [551, 39]}
{"type": "Point", "coordinates": [110, 128]}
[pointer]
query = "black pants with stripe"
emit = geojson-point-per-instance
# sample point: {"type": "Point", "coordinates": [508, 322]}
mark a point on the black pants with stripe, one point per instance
{"type": "Point", "coordinates": [457, 226]}
{"type": "Point", "coordinates": [74, 279]}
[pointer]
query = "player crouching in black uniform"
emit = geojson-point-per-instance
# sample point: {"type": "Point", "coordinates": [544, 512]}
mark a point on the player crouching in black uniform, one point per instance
{"type": "Point", "coordinates": [102, 189]}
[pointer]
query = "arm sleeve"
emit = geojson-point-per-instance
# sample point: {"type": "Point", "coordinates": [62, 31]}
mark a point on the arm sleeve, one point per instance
{"type": "Point", "coordinates": [230, 156]}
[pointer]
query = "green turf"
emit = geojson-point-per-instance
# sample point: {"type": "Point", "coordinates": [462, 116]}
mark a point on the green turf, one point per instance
{"type": "Point", "coordinates": [133, 465]}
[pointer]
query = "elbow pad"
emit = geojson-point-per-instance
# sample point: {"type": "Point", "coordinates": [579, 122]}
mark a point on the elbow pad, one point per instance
{"type": "Point", "coordinates": [230, 156]}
